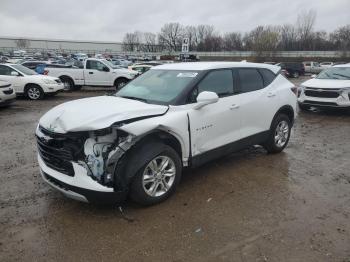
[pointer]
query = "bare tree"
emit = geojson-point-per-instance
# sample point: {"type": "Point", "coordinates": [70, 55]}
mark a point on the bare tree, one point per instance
{"type": "Point", "coordinates": [171, 36]}
{"type": "Point", "coordinates": [288, 37]}
{"type": "Point", "coordinates": [22, 43]}
{"type": "Point", "coordinates": [149, 42]}
{"type": "Point", "coordinates": [305, 25]}
{"type": "Point", "coordinates": [132, 41]}
{"type": "Point", "coordinates": [262, 39]}
{"type": "Point", "coordinates": [341, 38]}
{"type": "Point", "coordinates": [191, 34]}
{"type": "Point", "coordinates": [232, 42]}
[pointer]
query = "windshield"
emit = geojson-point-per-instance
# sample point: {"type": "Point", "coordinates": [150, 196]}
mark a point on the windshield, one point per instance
{"type": "Point", "coordinates": [24, 70]}
{"type": "Point", "coordinates": [158, 86]}
{"type": "Point", "coordinates": [339, 73]}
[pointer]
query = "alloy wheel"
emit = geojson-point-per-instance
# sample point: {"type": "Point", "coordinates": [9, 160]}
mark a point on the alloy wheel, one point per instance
{"type": "Point", "coordinates": [34, 93]}
{"type": "Point", "coordinates": [281, 133]}
{"type": "Point", "coordinates": [159, 176]}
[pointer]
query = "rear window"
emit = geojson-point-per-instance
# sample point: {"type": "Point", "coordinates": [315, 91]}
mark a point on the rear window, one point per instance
{"type": "Point", "coordinates": [250, 79]}
{"type": "Point", "coordinates": [267, 75]}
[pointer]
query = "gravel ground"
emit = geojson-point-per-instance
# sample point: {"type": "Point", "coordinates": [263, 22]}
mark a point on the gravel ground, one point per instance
{"type": "Point", "coordinates": [249, 206]}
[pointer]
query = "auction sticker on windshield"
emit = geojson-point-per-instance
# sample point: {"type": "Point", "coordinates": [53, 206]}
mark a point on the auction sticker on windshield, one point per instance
{"type": "Point", "coordinates": [187, 74]}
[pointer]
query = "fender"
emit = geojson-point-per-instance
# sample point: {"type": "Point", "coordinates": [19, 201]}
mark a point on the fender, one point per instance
{"type": "Point", "coordinates": [286, 109]}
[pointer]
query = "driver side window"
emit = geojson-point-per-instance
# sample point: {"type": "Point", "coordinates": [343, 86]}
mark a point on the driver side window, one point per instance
{"type": "Point", "coordinates": [95, 65]}
{"type": "Point", "coordinates": [5, 70]}
{"type": "Point", "coordinates": [218, 81]}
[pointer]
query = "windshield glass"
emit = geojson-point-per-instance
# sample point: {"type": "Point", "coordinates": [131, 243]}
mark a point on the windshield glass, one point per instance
{"type": "Point", "coordinates": [24, 70]}
{"type": "Point", "coordinates": [339, 73]}
{"type": "Point", "coordinates": [158, 86]}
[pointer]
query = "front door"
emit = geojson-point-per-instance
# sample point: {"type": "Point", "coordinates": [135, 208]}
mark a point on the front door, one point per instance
{"type": "Point", "coordinates": [95, 75]}
{"type": "Point", "coordinates": [218, 124]}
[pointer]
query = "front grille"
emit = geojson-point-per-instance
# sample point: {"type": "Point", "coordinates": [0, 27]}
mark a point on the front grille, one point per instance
{"type": "Point", "coordinates": [58, 150]}
{"type": "Point", "coordinates": [320, 103]}
{"type": "Point", "coordinates": [323, 93]}
{"type": "Point", "coordinates": [8, 92]}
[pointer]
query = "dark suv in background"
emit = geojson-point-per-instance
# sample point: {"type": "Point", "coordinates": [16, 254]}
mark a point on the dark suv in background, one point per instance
{"type": "Point", "coordinates": [292, 69]}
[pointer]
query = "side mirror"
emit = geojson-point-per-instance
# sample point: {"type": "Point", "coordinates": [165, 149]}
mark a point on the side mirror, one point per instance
{"type": "Point", "coordinates": [105, 69]}
{"type": "Point", "coordinates": [206, 98]}
{"type": "Point", "coordinates": [313, 76]}
{"type": "Point", "coordinates": [14, 73]}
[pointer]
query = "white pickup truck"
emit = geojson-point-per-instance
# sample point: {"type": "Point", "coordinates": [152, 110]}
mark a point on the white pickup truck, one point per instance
{"type": "Point", "coordinates": [96, 72]}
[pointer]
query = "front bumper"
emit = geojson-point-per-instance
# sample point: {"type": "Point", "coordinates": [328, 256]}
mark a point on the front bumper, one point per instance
{"type": "Point", "coordinates": [52, 88]}
{"type": "Point", "coordinates": [342, 101]}
{"type": "Point", "coordinates": [80, 187]}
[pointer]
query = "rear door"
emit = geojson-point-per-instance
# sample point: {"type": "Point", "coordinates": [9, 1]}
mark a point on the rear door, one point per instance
{"type": "Point", "coordinates": [95, 75]}
{"type": "Point", "coordinates": [257, 98]}
{"type": "Point", "coordinates": [217, 124]}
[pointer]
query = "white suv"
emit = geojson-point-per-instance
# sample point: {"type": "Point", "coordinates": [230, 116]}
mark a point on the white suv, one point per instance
{"type": "Point", "coordinates": [137, 141]}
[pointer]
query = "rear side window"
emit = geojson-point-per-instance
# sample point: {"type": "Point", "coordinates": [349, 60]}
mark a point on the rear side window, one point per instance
{"type": "Point", "coordinates": [267, 75]}
{"type": "Point", "coordinates": [250, 79]}
{"type": "Point", "coordinates": [218, 81]}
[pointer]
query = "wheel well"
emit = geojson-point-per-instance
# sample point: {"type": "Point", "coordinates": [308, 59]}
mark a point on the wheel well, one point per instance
{"type": "Point", "coordinates": [288, 111]}
{"type": "Point", "coordinates": [29, 85]}
{"type": "Point", "coordinates": [66, 77]}
{"type": "Point", "coordinates": [120, 78]}
{"type": "Point", "coordinates": [166, 138]}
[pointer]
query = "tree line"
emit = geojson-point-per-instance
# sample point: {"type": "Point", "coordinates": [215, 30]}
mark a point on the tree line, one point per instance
{"type": "Point", "coordinates": [300, 36]}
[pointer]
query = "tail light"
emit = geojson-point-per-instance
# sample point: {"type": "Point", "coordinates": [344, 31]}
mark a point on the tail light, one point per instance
{"type": "Point", "coordinates": [294, 90]}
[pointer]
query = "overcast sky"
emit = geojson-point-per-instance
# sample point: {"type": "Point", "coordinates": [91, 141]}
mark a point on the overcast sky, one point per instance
{"type": "Point", "coordinates": [109, 20]}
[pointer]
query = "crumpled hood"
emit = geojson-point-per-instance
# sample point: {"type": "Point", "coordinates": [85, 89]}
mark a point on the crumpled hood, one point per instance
{"type": "Point", "coordinates": [96, 113]}
{"type": "Point", "coordinates": [327, 83]}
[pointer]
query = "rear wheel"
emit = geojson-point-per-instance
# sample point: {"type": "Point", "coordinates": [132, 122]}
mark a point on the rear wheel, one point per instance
{"type": "Point", "coordinates": [68, 83]}
{"type": "Point", "coordinates": [158, 179]}
{"type": "Point", "coordinates": [279, 134]}
{"type": "Point", "coordinates": [34, 92]}
{"type": "Point", "coordinates": [296, 74]}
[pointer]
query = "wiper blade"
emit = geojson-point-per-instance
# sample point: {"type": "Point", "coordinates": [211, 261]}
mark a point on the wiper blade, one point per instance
{"type": "Point", "coordinates": [135, 98]}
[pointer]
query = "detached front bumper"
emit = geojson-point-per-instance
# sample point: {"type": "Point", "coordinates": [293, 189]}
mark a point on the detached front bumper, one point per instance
{"type": "Point", "coordinates": [80, 186]}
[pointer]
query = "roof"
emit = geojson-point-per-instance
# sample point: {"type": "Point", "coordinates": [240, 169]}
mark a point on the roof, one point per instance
{"type": "Point", "coordinates": [200, 66]}
{"type": "Point", "coordinates": [343, 65]}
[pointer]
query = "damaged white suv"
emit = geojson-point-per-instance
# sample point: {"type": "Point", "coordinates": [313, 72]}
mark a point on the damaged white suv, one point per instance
{"type": "Point", "coordinates": [136, 143]}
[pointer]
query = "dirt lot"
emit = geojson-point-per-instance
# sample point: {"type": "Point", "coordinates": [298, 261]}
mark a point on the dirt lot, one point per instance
{"type": "Point", "coordinates": [249, 206]}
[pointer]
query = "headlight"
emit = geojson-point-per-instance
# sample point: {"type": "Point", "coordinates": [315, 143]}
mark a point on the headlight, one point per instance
{"type": "Point", "coordinates": [49, 81]}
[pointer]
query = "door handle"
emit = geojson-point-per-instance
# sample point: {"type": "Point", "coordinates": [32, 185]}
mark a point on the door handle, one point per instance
{"type": "Point", "coordinates": [234, 106]}
{"type": "Point", "coordinates": [91, 73]}
{"type": "Point", "coordinates": [271, 95]}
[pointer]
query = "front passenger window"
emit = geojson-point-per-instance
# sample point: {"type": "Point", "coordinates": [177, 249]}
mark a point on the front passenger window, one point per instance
{"type": "Point", "coordinates": [218, 81]}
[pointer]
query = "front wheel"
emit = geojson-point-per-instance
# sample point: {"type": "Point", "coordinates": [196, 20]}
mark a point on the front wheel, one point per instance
{"type": "Point", "coordinates": [158, 179]}
{"type": "Point", "coordinates": [279, 134]}
{"type": "Point", "coordinates": [34, 92]}
{"type": "Point", "coordinates": [120, 83]}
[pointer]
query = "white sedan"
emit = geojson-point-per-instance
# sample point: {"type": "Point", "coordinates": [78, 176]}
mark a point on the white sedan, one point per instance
{"type": "Point", "coordinates": [27, 82]}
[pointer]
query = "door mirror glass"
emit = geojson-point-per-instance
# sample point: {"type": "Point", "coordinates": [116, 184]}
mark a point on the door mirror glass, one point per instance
{"type": "Point", "coordinates": [14, 73]}
{"type": "Point", "coordinates": [206, 98]}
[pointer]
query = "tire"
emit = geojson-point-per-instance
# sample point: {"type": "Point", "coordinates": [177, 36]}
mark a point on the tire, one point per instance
{"type": "Point", "coordinates": [68, 83]}
{"type": "Point", "coordinates": [150, 188]}
{"type": "Point", "coordinates": [34, 92]}
{"type": "Point", "coordinates": [296, 74]}
{"type": "Point", "coordinates": [303, 107]}
{"type": "Point", "coordinates": [281, 127]}
{"type": "Point", "coordinates": [120, 83]}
